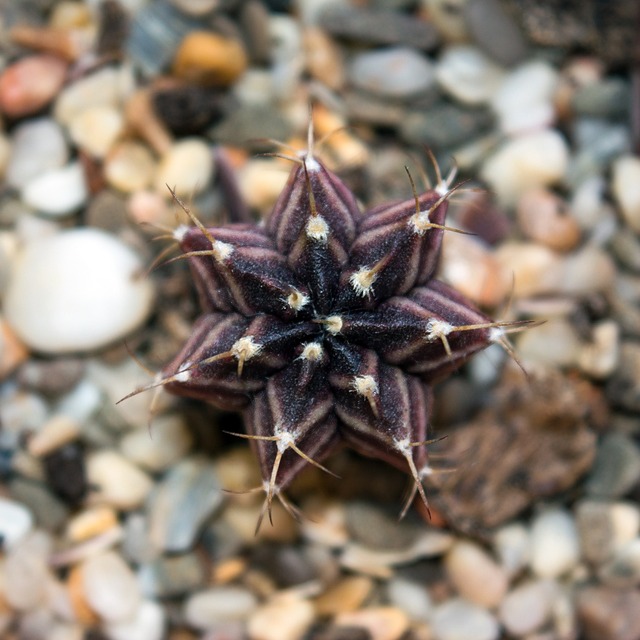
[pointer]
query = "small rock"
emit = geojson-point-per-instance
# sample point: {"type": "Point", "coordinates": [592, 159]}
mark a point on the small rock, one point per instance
{"type": "Point", "coordinates": [207, 58]}
{"type": "Point", "coordinates": [148, 622]}
{"type": "Point", "coordinates": [252, 122]}
{"type": "Point", "coordinates": [397, 72]}
{"type": "Point", "coordinates": [30, 84]}
{"type": "Point", "coordinates": [116, 481]}
{"type": "Point", "coordinates": [38, 146]}
{"type": "Point", "coordinates": [475, 574]}
{"type": "Point", "coordinates": [511, 544]}
{"type": "Point", "coordinates": [206, 609]}
{"type": "Point", "coordinates": [609, 614]}
{"type": "Point", "coordinates": [534, 159]}
{"type": "Point", "coordinates": [458, 619]}
{"type": "Point", "coordinates": [56, 432]}
{"type": "Point", "coordinates": [346, 595]}
{"type": "Point", "coordinates": [187, 109]}
{"type": "Point", "coordinates": [599, 357]}
{"type": "Point", "coordinates": [608, 98]}
{"type": "Point", "coordinates": [110, 587]}
{"type": "Point", "coordinates": [382, 623]}
{"type": "Point", "coordinates": [171, 577]}
{"type": "Point", "coordinates": [284, 618]}
{"type": "Point", "coordinates": [129, 167]}
{"type": "Point", "coordinates": [616, 469]}
{"type": "Point", "coordinates": [626, 189]}
{"type": "Point", "coordinates": [553, 344]}
{"type": "Point", "coordinates": [467, 75]}
{"type": "Point", "coordinates": [187, 168]}
{"type": "Point", "coordinates": [196, 7]}
{"type": "Point", "coordinates": [622, 570]}
{"type": "Point", "coordinates": [555, 547]}
{"type": "Point", "coordinates": [181, 503]}
{"type": "Point", "coordinates": [13, 352]}
{"type": "Point", "coordinates": [595, 527]}
{"type": "Point", "coordinates": [95, 129]}
{"type": "Point", "coordinates": [77, 290]}
{"type": "Point", "coordinates": [90, 523]}
{"type": "Point", "coordinates": [58, 192]}
{"type": "Point", "coordinates": [411, 597]}
{"type": "Point", "coordinates": [25, 569]}
{"type": "Point", "coordinates": [16, 522]}
{"type": "Point", "coordinates": [449, 19]}
{"type": "Point", "coordinates": [323, 58]}
{"type": "Point", "coordinates": [49, 512]}
{"type": "Point", "coordinates": [51, 377]}
{"type": "Point", "coordinates": [528, 607]}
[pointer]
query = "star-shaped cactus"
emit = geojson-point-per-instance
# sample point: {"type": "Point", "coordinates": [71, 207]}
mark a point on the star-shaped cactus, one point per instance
{"type": "Point", "coordinates": [325, 326]}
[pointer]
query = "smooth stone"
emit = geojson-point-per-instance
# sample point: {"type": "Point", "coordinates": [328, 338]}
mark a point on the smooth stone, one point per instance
{"type": "Point", "coordinates": [171, 576]}
{"type": "Point", "coordinates": [599, 357]}
{"type": "Point", "coordinates": [81, 402]}
{"type": "Point", "coordinates": [37, 146]}
{"type": "Point", "coordinates": [187, 496]}
{"type": "Point", "coordinates": [207, 609]}
{"type": "Point", "coordinates": [411, 597]}
{"type": "Point", "coordinates": [467, 75]}
{"type": "Point", "coordinates": [76, 291]}
{"type": "Point", "coordinates": [165, 443]}
{"type": "Point", "coordinates": [348, 594]}
{"type": "Point", "coordinates": [398, 72]}
{"type": "Point", "coordinates": [49, 512]}
{"type": "Point", "coordinates": [622, 570]}
{"type": "Point", "coordinates": [187, 168]}
{"type": "Point", "coordinates": [25, 568]}
{"type": "Point", "coordinates": [524, 101]}
{"type": "Point", "coordinates": [625, 247]}
{"type": "Point", "coordinates": [16, 522]}
{"type": "Point", "coordinates": [382, 623]}
{"type": "Point", "coordinates": [626, 189]}
{"type": "Point", "coordinates": [56, 432]}
{"type": "Point", "coordinates": [595, 527]}
{"type": "Point", "coordinates": [458, 619]}
{"type": "Point", "coordinates": [608, 98]}
{"type": "Point", "coordinates": [116, 481]}
{"type": "Point", "coordinates": [554, 344]}
{"type": "Point", "coordinates": [195, 7]}
{"type": "Point", "coordinates": [528, 607]}
{"type": "Point", "coordinates": [51, 377]}
{"type": "Point", "coordinates": [616, 469]}
{"type": "Point", "coordinates": [587, 202]}
{"type": "Point", "coordinates": [90, 523]}
{"type": "Point", "coordinates": [95, 129]}
{"type": "Point", "coordinates": [625, 517]}
{"type": "Point", "coordinates": [536, 159]}
{"type": "Point", "coordinates": [623, 388]}
{"type": "Point", "coordinates": [30, 84]}
{"type": "Point", "coordinates": [609, 614]}
{"type": "Point", "coordinates": [511, 544]}
{"type": "Point", "coordinates": [555, 546]}
{"type": "Point", "coordinates": [449, 18]}
{"type": "Point", "coordinates": [476, 575]}
{"type": "Point", "coordinates": [149, 622]}
{"type": "Point", "coordinates": [58, 192]}
{"type": "Point", "coordinates": [251, 122]}
{"type": "Point", "coordinates": [324, 58]}
{"type": "Point", "coordinates": [110, 587]}
{"type": "Point", "coordinates": [130, 167]}
{"type": "Point", "coordinates": [284, 618]}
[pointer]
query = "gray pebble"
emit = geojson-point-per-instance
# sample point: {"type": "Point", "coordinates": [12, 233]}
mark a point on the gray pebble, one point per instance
{"type": "Point", "coordinates": [248, 123]}
{"type": "Point", "coordinates": [622, 571]}
{"type": "Point", "coordinates": [595, 528]}
{"type": "Point", "coordinates": [617, 467]}
{"type": "Point", "coordinates": [107, 210]}
{"type": "Point", "coordinates": [171, 576]}
{"type": "Point", "coordinates": [458, 619]}
{"type": "Point", "coordinates": [626, 247]}
{"type": "Point", "coordinates": [51, 377]}
{"type": "Point", "coordinates": [623, 388]}
{"type": "Point", "coordinates": [285, 565]}
{"type": "Point", "coordinates": [609, 98]}
{"type": "Point", "coordinates": [49, 512]}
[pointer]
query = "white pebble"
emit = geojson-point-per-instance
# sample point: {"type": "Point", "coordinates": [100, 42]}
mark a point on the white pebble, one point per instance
{"type": "Point", "coordinates": [285, 618]}
{"type": "Point", "coordinates": [411, 597]}
{"type": "Point", "coordinates": [76, 291]}
{"type": "Point", "coordinates": [81, 402]}
{"type": "Point", "coordinates": [511, 544]}
{"type": "Point", "coordinates": [110, 587]}
{"type": "Point", "coordinates": [535, 159]}
{"type": "Point", "coordinates": [524, 101]}
{"type": "Point", "coordinates": [95, 129]}
{"type": "Point", "coordinates": [554, 344]}
{"type": "Point", "coordinates": [206, 609]}
{"type": "Point", "coordinates": [58, 192]}
{"type": "Point", "coordinates": [187, 167]}
{"type": "Point", "coordinates": [599, 357]}
{"type": "Point", "coordinates": [466, 74]}
{"type": "Point", "coordinates": [397, 72]}
{"type": "Point", "coordinates": [15, 522]}
{"type": "Point", "coordinates": [527, 607]}
{"type": "Point", "coordinates": [148, 622]}
{"type": "Point", "coordinates": [555, 545]}
{"type": "Point", "coordinates": [117, 481]}
{"type": "Point", "coordinates": [458, 619]}
{"type": "Point", "coordinates": [129, 167]}
{"type": "Point", "coordinates": [625, 519]}
{"type": "Point", "coordinates": [38, 146]}
{"type": "Point", "coordinates": [626, 189]}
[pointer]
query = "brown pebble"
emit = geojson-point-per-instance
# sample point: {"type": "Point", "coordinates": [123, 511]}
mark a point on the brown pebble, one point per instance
{"type": "Point", "coordinates": [323, 58]}
{"type": "Point", "coordinates": [383, 623]}
{"type": "Point", "coordinates": [30, 84]}
{"type": "Point", "coordinates": [207, 58]}
{"type": "Point", "coordinates": [56, 432]}
{"type": "Point", "coordinates": [545, 217]}
{"type": "Point", "coordinates": [90, 523]}
{"type": "Point", "coordinates": [69, 44]}
{"type": "Point", "coordinates": [13, 351]}
{"type": "Point", "coordinates": [228, 570]}
{"type": "Point", "coordinates": [609, 614]}
{"type": "Point", "coordinates": [142, 119]}
{"type": "Point", "coordinates": [346, 595]}
{"type": "Point", "coordinates": [75, 587]}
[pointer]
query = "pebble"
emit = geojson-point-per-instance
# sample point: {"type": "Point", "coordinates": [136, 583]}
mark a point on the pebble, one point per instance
{"type": "Point", "coordinates": [476, 575]}
{"type": "Point", "coordinates": [95, 129]}
{"type": "Point", "coordinates": [397, 72]}
{"type": "Point", "coordinates": [37, 146]}
{"type": "Point", "coordinates": [616, 469]}
{"type": "Point", "coordinates": [49, 512]}
{"type": "Point", "coordinates": [411, 597]}
{"type": "Point", "coordinates": [528, 607]}
{"type": "Point", "coordinates": [149, 622]}
{"type": "Point", "coordinates": [91, 522]}
{"type": "Point", "coordinates": [58, 192]}
{"type": "Point", "coordinates": [622, 570]}
{"type": "Point", "coordinates": [448, 16]}
{"type": "Point", "coordinates": [536, 159]}
{"type": "Point", "coordinates": [323, 58]}
{"type": "Point", "coordinates": [13, 352]}
{"type": "Point", "coordinates": [81, 402]}
{"type": "Point", "coordinates": [467, 75]}
{"type": "Point", "coordinates": [511, 544]}
{"type": "Point", "coordinates": [382, 623]}
{"type": "Point", "coordinates": [16, 522]}
{"type": "Point", "coordinates": [171, 576]}
{"type": "Point", "coordinates": [116, 481]}
{"type": "Point", "coordinates": [130, 167]}
{"type": "Point", "coordinates": [55, 432]}
{"type": "Point", "coordinates": [555, 546]}
{"type": "Point", "coordinates": [524, 101]}
{"type": "Point", "coordinates": [242, 519]}
{"type": "Point", "coordinates": [30, 84]}
{"type": "Point", "coordinates": [608, 98]}
{"type": "Point", "coordinates": [218, 605]}
{"type": "Point", "coordinates": [283, 618]}
{"type": "Point", "coordinates": [625, 186]}
{"type": "Point", "coordinates": [181, 503]}
{"type": "Point", "coordinates": [599, 357]}
{"type": "Point", "coordinates": [609, 614]}
{"type": "Point", "coordinates": [546, 218]}
{"type": "Point", "coordinates": [110, 587]}
{"type": "Point", "coordinates": [553, 344]}
{"type": "Point", "coordinates": [196, 7]}
{"type": "Point", "coordinates": [187, 167]}
{"type": "Point", "coordinates": [458, 619]}
{"type": "Point", "coordinates": [76, 291]}
{"type": "Point", "coordinates": [207, 58]}
{"type": "Point", "coordinates": [346, 595]}
{"type": "Point", "coordinates": [587, 202]}
{"type": "Point", "coordinates": [51, 377]}
{"type": "Point", "coordinates": [25, 569]}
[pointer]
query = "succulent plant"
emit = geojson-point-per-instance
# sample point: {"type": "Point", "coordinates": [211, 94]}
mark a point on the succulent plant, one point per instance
{"type": "Point", "coordinates": [324, 325]}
